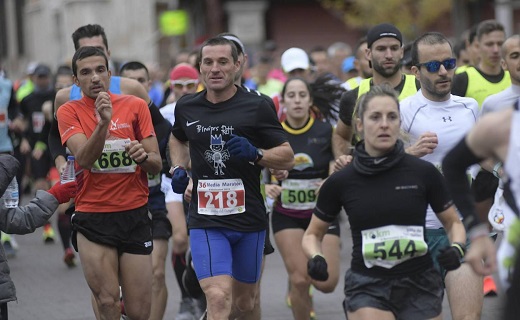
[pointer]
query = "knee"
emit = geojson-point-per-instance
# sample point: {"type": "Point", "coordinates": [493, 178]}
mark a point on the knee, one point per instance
{"type": "Point", "coordinates": [158, 278]}
{"type": "Point", "coordinates": [180, 242]}
{"type": "Point", "coordinates": [245, 304]}
{"type": "Point", "coordinates": [217, 296]}
{"type": "Point", "coordinates": [299, 282]}
{"type": "Point", "coordinates": [325, 287]}
{"type": "Point", "coordinates": [142, 312]}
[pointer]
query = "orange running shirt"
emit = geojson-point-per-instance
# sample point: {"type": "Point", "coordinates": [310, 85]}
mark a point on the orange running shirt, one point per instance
{"type": "Point", "coordinates": [108, 191]}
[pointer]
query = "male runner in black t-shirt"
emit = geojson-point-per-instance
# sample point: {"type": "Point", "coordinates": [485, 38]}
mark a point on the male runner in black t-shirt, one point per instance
{"type": "Point", "coordinates": [224, 125]}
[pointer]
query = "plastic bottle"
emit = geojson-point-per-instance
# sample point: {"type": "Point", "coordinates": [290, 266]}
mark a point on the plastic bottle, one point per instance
{"type": "Point", "coordinates": [11, 196]}
{"type": "Point", "coordinates": [69, 174]}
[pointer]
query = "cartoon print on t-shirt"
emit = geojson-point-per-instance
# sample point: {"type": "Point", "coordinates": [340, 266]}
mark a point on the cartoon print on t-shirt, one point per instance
{"type": "Point", "coordinates": [217, 155]}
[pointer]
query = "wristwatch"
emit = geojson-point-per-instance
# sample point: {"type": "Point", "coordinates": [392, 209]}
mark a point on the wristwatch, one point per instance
{"type": "Point", "coordinates": [259, 155]}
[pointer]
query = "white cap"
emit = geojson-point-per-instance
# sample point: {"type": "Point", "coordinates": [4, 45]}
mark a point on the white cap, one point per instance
{"type": "Point", "coordinates": [294, 58]}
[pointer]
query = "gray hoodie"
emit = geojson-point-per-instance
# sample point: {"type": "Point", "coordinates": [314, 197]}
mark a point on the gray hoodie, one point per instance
{"type": "Point", "coordinates": [21, 220]}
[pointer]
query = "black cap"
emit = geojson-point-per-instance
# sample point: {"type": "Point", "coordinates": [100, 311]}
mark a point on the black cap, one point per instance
{"type": "Point", "coordinates": [42, 70]}
{"type": "Point", "coordinates": [383, 30]}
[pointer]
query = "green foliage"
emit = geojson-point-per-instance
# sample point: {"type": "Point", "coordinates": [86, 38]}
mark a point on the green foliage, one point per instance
{"type": "Point", "coordinates": [412, 17]}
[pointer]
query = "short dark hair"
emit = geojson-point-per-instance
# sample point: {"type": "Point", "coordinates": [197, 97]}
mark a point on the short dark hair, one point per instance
{"type": "Point", "coordinates": [488, 26]}
{"type": "Point", "coordinates": [359, 43]}
{"type": "Point", "coordinates": [427, 38]}
{"type": "Point", "coordinates": [459, 46]}
{"type": "Point", "coordinates": [85, 52]}
{"type": "Point", "coordinates": [64, 69]}
{"type": "Point", "coordinates": [472, 33]}
{"type": "Point", "coordinates": [89, 31]}
{"type": "Point", "coordinates": [219, 41]}
{"type": "Point", "coordinates": [134, 65]}
{"type": "Point", "coordinates": [231, 37]}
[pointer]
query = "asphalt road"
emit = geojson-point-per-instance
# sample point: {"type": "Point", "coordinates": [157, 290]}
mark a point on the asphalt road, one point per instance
{"type": "Point", "coordinates": [47, 289]}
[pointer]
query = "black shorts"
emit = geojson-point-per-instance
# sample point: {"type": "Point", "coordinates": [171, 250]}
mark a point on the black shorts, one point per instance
{"type": "Point", "coordinates": [409, 298]}
{"type": "Point", "coordinates": [281, 221]}
{"type": "Point", "coordinates": [128, 231]}
{"type": "Point", "coordinates": [484, 186]}
{"type": "Point", "coordinates": [161, 225]}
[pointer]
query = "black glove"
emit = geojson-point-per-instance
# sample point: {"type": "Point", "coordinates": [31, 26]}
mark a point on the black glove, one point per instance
{"type": "Point", "coordinates": [241, 148]}
{"type": "Point", "coordinates": [317, 268]}
{"type": "Point", "coordinates": [180, 180]}
{"type": "Point", "coordinates": [449, 258]}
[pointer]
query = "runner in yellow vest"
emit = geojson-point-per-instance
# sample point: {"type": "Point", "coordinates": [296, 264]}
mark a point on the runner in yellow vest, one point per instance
{"type": "Point", "coordinates": [384, 52]}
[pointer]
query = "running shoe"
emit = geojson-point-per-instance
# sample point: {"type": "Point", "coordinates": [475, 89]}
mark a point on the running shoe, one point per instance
{"type": "Point", "coordinates": [186, 310]}
{"type": "Point", "coordinates": [69, 258]}
{"type": "Point", "coordinates": [48, 233]}
{"type": "Point", "coordinates": [312, 314]}
{"type": "Point", "coordinates": [199, 306]}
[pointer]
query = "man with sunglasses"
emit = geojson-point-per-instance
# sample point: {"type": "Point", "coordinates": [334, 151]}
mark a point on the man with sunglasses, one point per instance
{"type": "Point", "coordinates": [384, 53]}
{"type": "Point", "coordinates": [435, 120]}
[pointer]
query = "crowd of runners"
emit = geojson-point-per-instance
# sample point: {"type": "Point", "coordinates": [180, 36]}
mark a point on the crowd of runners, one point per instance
{"type": "Point", "coordinates": [232, 150]}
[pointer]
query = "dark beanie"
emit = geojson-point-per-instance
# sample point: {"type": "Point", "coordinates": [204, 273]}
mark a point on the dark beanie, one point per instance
{"type": "Point", "coordinates": [383, 30]}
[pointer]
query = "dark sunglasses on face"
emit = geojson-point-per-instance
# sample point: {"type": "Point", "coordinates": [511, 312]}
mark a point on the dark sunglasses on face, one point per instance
{"type": "Point", "coordinates": [434, 66]}
{"type": "Point", "coordinates": [189, 84]}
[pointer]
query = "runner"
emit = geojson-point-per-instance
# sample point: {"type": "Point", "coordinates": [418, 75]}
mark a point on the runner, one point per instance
{"type": "Point", "coordinates": [222, 125]}
{"type": "Point", "coordinates": [392, 274]}
{"type": "Point", "coordinates": [296, 196]}
{"type": "Point", "coordinates": [115, 148]}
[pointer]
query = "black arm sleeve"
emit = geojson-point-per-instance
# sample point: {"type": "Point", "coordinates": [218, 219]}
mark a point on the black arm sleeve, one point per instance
{"type": "Point", "coordinates": [55, 147]}
{"type": "Point", "coordinates": [454, 168]}
{"type": "Point", "coordinates": [161, 126]}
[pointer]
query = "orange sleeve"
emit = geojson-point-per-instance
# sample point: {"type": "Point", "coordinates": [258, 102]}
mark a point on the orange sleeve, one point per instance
{"type": "Point", "coordinates": [144, 120]}
{"type": "Point", "coordinates": [68, 122]}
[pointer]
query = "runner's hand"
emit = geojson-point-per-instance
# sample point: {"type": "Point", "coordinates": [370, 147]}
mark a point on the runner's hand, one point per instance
{"type": "Point", "coordinates": [180, 180]}
{"type": "Point", "coordinates": [317, 268]}
{"type": "Point", "coordinates": [241, 148]}
{"type": "Point", "coordinates": [449, 257]}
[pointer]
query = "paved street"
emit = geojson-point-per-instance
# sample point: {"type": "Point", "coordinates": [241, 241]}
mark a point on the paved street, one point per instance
{"type": "Point", "coordinates": [47, 289]}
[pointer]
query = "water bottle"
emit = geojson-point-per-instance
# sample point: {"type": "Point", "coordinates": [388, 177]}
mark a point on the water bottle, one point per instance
{"type": "Point", "coordinates": [11, 195]}
{"type": "Point", "coordinates": [69, 174]}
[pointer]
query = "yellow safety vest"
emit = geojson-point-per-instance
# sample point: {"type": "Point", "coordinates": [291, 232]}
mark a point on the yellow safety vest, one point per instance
{"type": "Point", "coordinates": [479, 88]}
{"type": "Point", "coordinates": [353, 83]}
{"type": "Point", "coordinates": [409, 89]}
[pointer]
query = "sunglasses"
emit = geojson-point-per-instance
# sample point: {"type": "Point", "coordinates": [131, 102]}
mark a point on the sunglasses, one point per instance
{"type": "Point", "coordinates": [434, 66]}
{"type": "Point", "coordinates": [189, 84]}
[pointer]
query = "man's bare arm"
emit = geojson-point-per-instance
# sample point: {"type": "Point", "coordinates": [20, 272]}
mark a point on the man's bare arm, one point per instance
{"type": "Point", "coordinates": [179, 152]}
{"type": "Point", "coordinates": [341, 138]}
{"type": "Point", "coordinates": [280, 157]}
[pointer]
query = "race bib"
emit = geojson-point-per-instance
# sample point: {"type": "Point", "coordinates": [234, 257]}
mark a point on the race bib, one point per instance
{"type": "Point", "coordinates": [154, 180]}
{"type": "Point", "coordinates": [221, 197]}
{"type": "Point", "coordinates": [389, 246]}
{"type": "Point", "coordinates": [38, 121]}
{"type": "Point", "coordinates": [114, 158]}
{"type": "Point", "coordinates": [299, 194]}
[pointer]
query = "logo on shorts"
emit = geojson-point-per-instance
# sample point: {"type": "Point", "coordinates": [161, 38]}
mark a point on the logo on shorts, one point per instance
{"type": "Point", "coordinates": [148, 244]}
